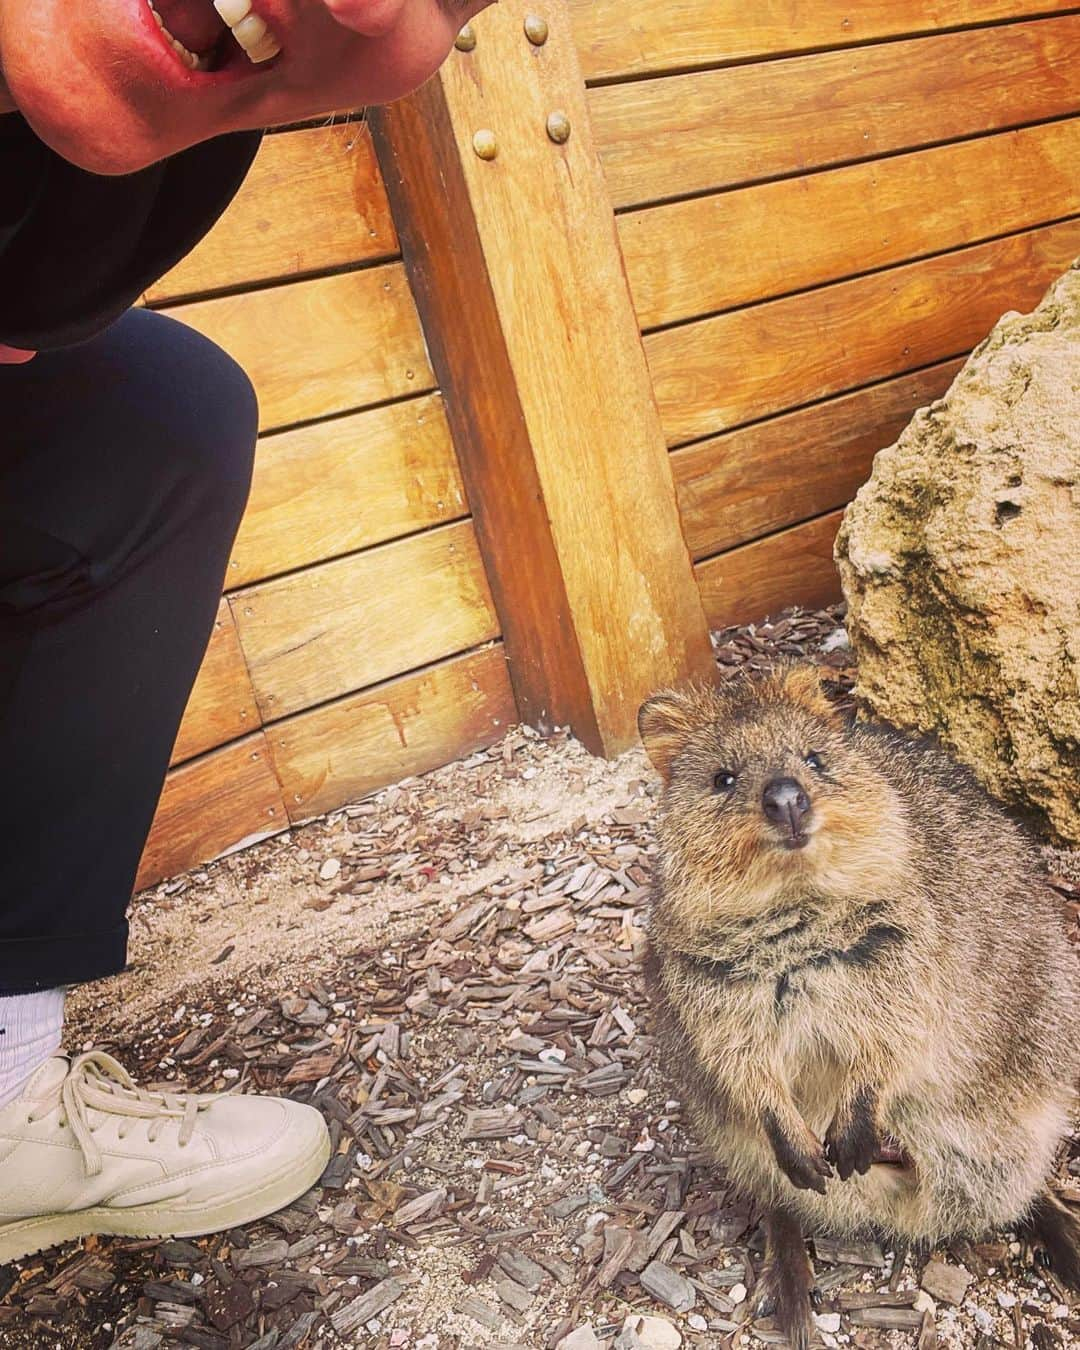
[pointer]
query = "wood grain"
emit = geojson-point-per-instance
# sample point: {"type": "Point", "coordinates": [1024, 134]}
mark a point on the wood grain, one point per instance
{"type": "Point", "coordinates": [720, 372]}
{"type": "Point", "coordinates": [794, 567]}
{"type": "Point", "coordinates": [212, 804]}
{"type": "Point", "coordinates": [351, 747]}
{"type": "Point", "coordinates": [327, 631]}
{"type": "Point", "coordinates": [222, 703]}
{"type": "Point", "coordinates": [713, 253]}
{"type": "Point", "coordinates": [318, 347]}
{"type": "Point", "coordinates": [332, 488]}
{"type": "Point", "coordinates": [313, 200]}
{"type": "Point", "coordinates": [619, 39]}
{"type": "Point", "coordinates": [662, 138]}
{"type": "Point", "coordinates": [746, 483]}
{"type": "Point", "coordinates": [517, 270]}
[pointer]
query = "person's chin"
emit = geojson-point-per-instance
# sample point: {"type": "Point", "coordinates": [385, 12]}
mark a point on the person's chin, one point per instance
{"type": "Point", "coordinates": [110, 159]}
{"type": "Point", "coordinates": [103, 135]}
{"type": "Point", "coordinates": [93, 132]}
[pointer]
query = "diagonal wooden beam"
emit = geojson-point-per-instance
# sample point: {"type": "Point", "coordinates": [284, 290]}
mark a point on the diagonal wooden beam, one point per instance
{"type": "Point", "coordinates": [515, 265]}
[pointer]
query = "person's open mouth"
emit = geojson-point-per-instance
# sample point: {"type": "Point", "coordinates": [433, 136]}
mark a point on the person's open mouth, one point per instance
{"type": "Point", "coordinates": [205, 36]}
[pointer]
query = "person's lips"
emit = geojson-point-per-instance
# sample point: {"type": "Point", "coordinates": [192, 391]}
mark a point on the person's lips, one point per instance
{"type": "Point", "coordinates": [15, 356]}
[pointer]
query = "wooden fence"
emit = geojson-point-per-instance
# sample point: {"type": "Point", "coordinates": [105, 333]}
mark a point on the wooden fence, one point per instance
{"type": "Point", "coordinates": [822, 209]}
{"type": "Point", "coordinates": [604, 383]}
{"type": "Point", "coordinates": [357, 641]}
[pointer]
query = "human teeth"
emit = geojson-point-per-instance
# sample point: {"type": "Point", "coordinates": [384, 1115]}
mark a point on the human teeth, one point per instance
{"type": "Point", "coordinates": [190, 59]}
{"type": "Point", "coordinates": [266, 48]}
{"type": "Point", "coordinates": [249, 30]}
{"type": "Point", "coordinates": [232, 11]}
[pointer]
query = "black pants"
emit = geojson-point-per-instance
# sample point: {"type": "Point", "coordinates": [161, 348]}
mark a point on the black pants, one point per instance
{"type": "Point", "coordinates": [124, 468]}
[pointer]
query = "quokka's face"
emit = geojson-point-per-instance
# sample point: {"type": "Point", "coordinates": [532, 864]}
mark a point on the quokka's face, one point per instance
{"type": "Point", "coordinates": [761, 778]}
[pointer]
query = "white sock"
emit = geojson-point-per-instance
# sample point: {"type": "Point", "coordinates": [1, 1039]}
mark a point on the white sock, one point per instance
{"type": "Point", "coordinates": [31, 1026]}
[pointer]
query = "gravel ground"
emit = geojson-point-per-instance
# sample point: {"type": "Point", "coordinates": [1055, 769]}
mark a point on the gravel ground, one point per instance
{"type": "Point", "coordinates": [451, 971]}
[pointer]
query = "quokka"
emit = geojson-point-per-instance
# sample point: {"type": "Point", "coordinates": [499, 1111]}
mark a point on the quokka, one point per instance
{"type": "Point", "coordinates": [862, 982]}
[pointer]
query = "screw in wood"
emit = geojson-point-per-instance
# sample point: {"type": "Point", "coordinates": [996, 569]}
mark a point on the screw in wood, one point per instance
{"type": "Point", "coordinates": [536, 29]}
{"type": "Point", "coordinates": [558, 126]}
{"type": "Point", "coordinates": [485, 144]}
{"type": "Point", "coordinates": [466, 39]}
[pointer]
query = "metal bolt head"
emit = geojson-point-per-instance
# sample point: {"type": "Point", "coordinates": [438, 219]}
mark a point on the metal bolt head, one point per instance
{"type": "Point", "coordinates": [466, 39]}
{"type": "Point", "coordinates": [485, 144]}
{"type": "Point", "coordinates": [558, 126]}
{"type": "Point", "coordinates": [536, 29]}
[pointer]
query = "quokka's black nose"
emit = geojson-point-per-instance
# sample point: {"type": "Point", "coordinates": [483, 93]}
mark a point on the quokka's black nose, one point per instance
{"type": "Point", "coordinates": [785, 803]}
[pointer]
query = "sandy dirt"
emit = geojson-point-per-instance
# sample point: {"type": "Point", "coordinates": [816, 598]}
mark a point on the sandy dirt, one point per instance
{"type": "Point", "coordinates": [462, 945]}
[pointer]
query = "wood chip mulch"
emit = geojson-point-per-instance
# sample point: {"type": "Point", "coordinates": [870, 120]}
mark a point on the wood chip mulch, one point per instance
{"type": "Point", "coordinates": [509, 1167]}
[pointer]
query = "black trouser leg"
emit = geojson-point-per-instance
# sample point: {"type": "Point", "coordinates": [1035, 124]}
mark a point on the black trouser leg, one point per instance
{"type": "Point", "coordinates": [124, 468]}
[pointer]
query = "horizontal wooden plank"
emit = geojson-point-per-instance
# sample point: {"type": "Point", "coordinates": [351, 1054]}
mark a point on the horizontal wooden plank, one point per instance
{"type": "Point", "coordinates": [794, 567]}
{"type": "Point", "coordinates": [747, 483]}
{"type": "Point", "coordinates": [313, 200]}
{"type": "Point", "coordinates": [619, 39]}
{"type": "Point", "coordinates": [346, 749]}
{"type": "Point", "coordinates": [210, 805]}
{"type": "Point", "coordinates": [749, 363]}
{"type": "Point", "coordinates": [335, 487]}
{"type": "Point", "coordinates": [713, 253]}
{"type": "Point", "coordinates": [317, 347]}
{"type": "Point", "coordinates": [222, 703]}
{"type": "Point", "coordinates": [689, 133]}
{"type": "Point", "coordinates": [333, 629]}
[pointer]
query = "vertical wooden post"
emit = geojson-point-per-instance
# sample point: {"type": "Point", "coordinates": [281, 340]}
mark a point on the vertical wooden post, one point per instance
{"type": "Point", "coordinates": [516, 267]}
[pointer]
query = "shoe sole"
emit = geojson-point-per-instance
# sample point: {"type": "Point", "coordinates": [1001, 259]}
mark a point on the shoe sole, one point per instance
{"type": "Point", "coordinates": [26, 1237]}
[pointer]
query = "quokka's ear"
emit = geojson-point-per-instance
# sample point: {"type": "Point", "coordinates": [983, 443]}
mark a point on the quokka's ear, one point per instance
{"type": "Point", "coordinates": [802, 685]}
{"type": "Point", "coordinates": [665, 722]}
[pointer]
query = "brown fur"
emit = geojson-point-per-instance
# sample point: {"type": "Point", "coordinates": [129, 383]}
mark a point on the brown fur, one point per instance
{"type": "Point", "coordinates": [903, 977]}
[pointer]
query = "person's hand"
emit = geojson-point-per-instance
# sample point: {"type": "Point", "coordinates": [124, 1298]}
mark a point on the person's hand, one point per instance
{"type": "Point", "coordinates": [14, 356]}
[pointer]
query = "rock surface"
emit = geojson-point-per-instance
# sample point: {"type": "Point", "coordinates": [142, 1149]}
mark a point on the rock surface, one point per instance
{"type": "Point", "coordinates": [648, 1333]}
{"type": "Point", "coordinates": [581, 1338]}
{"type": "Point", "coordinates": [945, 1283]}
{"type": "Point", "coordinates": [960, 561]}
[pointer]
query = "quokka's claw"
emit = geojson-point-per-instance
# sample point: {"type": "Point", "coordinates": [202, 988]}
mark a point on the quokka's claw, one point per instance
{"type": "Point", "coordinates": [764, 1304]}
{"type": "Point", "coordinates": [851, 1141]}
{"type": "Point", "coordinates": [806, 1167]}
{"type": "Point", "coordinates": [810, 1171]}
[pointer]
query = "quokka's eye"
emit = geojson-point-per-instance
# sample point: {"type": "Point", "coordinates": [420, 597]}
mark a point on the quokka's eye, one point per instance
{"type": "Point", "coordinates": [724, 781]}
{"type": "Point", "coordinates": [814, 761]}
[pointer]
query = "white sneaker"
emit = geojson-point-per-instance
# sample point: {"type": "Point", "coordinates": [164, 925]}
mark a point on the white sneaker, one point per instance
{"type": "Point", "coordinates": [83, 1150]}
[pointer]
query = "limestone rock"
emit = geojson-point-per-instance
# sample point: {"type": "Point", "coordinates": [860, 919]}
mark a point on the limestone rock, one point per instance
{"type": "Point", "coordinates": [960, 561]}
{"type": "Point", "coordinates": [648, 1333]}
{"type": "Point", "coordinates": [947, 1284]}
{"type": "Point", "coordinates": [581, 1338]}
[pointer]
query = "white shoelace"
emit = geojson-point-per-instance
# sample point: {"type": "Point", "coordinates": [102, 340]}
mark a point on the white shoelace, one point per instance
{"type": "Point", "coordinates": [96, 1082]}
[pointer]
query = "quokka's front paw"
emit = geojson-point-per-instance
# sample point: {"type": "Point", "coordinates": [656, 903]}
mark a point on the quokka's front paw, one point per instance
{"type": "Point", "coordinates": [851, 1141]}
{"type": "Point", "coordinates": [802, 1161]}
